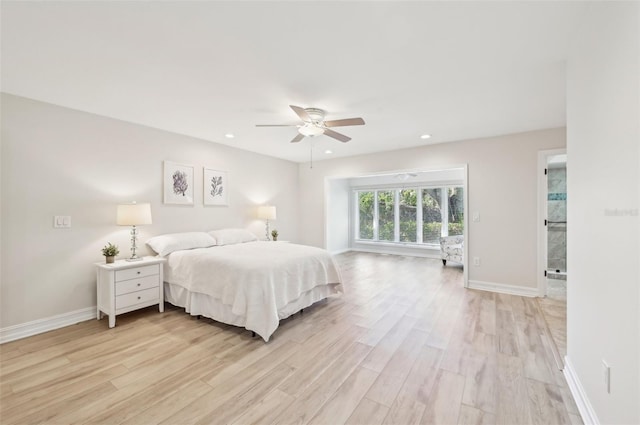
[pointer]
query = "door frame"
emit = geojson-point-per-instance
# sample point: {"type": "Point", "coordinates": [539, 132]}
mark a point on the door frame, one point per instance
{"type": "Point", "coordinates": [543, 190]}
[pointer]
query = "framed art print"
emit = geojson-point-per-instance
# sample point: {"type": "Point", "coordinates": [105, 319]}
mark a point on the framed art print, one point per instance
{"type": "Point", "coordinates": [216, 187]}
{"type": "Point", "coordinates": [178, 183]}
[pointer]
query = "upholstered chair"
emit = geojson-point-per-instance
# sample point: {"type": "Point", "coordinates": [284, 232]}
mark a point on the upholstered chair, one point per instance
{"type": "Point", "coordinates": [452, 248]}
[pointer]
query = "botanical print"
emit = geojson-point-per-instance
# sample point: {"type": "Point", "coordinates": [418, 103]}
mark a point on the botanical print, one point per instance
{"type": "Point", "coordinates": [216, 186]}
{"type": "Point", "coordinates": [215, 190]}
{"type": "Point", "coordinates": [178, 183]}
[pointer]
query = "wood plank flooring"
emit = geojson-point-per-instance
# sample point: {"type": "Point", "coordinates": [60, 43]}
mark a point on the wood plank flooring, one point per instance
{"type": "Point", "coordinates": [406, 344]}
{"type": "Point", "coordinates": [554, 312]}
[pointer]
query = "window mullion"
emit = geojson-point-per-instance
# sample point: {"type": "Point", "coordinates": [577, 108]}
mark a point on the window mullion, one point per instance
{"type": "Point", "coordinates": [444, 211]}
{"type": "Point", "coordinates": [375, 215]}
{"type": "Point", "coordinates": [419, 223]}
{"type": "Point", "coordinates": [396, 215]}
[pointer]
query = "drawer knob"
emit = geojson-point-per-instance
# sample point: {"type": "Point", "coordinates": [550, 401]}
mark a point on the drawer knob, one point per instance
{"type": "Point", "coordinates": [138, 284]}
{"type": "Point", "coordinates": [138, 297]}
{"type": "Point", "coordinates": [138, 271]}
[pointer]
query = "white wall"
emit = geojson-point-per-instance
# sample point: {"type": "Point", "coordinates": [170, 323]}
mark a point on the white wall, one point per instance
{"type": "Point", "coordinates": [502, 188]}
{"type": "Point", "coordinates": [419, 177]}
{"type": "Point", "coordinates": [57, 161]}
{"type": "Point", "coordinates": [603, 174]}
{"type": "Point", "coordinates": [337, 225]}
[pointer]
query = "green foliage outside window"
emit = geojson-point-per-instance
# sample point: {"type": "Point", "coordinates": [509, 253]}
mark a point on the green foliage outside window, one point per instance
{"type": "Point", "coordinates": [456, 211]}
{"type": "Point", "coordinates": [431, 214]}
{"type": "Point", "coordinates": [366, 210]}
{"type": "Point", "coordinates": [386, 216]}
{"type": "Point", "coordinates": [408, 215]}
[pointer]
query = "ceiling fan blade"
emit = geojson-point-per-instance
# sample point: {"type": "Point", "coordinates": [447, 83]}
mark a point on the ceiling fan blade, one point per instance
{"type": "Point", "coordinates": [336, 135]}
{"type": "Point", "coordinates": [345, 122]}
{"type": "Point", "coordinates": [301, 113]}
{"type": "Point", "coordinates": [277, 125]}
{"type": "Point", "coordinates": [297, 138]}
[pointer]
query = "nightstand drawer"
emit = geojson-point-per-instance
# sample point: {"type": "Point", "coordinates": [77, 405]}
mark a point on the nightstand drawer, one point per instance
{"type": "Point", "coordinates": [135, 272]}
{"type": "Point", "coordinates": [132, 285]}
{"type": "Point", "coordinates": [139, 297]}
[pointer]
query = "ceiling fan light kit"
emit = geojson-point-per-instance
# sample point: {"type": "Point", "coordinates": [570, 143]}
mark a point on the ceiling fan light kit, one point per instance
{"type": "Point", "coordinates": [313, 124]}
{"type": "Point", "coordinates": [310, 130]}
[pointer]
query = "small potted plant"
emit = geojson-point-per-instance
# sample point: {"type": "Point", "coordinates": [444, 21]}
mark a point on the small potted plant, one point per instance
{"type": "Point", "coordinates": [110, 251]}
{"type": "Point", "coordinates": [274, 235]}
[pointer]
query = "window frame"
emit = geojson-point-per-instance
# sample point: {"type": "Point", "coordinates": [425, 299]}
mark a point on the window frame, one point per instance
{"type": "Point", "coordinates": [444, 211]}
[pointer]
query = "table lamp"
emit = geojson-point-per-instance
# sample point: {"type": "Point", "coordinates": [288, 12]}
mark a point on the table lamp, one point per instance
{"type": "Point", "coordinates": [134, 215]}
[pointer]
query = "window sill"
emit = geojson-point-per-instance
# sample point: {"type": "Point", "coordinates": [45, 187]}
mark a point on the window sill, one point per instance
{"type": "Point", "coordinates": [398, 248]}
{"type": "Point", "coordinates": [413, 245]}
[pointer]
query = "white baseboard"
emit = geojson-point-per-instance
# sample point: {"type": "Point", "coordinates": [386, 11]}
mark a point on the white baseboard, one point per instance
{"type": "Point", "coordinates": [503, 288]}
{"type": "Point", "coordinates": [418, 252]}
{"type": "Point", "coordinates": [23, 330]}
{"type": "Point", "coordinates": [587, 413]}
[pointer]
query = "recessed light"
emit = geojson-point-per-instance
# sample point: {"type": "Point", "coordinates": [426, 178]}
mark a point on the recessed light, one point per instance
{"type": "Point", "coordinates": [425, 136]}
{"type": "Point", "coordinates": [328, 151]}
{"type": "Point", "coordinates": [229, 136]}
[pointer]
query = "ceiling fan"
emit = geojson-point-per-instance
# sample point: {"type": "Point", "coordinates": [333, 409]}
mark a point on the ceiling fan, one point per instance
{"type": "Point", "coordinates": [313, 124]}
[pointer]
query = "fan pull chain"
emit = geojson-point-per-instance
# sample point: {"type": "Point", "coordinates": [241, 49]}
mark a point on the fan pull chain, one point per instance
{"type": "Point", "coordinates": [311, 156]}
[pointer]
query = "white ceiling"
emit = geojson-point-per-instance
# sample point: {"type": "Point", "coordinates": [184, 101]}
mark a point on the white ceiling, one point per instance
{"type": "Point", "coordinates": [456, 70]}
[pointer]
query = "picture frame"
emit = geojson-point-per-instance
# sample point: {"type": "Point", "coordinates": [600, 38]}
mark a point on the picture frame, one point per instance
{"type": "Point", "coordinates": [178, 183]}
{"type": "Point", "coordinates": [215, 187]}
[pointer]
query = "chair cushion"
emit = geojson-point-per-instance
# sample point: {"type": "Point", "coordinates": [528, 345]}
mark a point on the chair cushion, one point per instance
{"type": "Point", "coordinates": [451, 240]}
{"type": "Point", "coordinates": [453, 250]}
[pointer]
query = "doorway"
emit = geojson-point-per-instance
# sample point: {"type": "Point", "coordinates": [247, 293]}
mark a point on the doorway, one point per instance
{"type": "Point", "coordinates": [552, 253]}
{"type": "Point", "coordinates": [557, 226]}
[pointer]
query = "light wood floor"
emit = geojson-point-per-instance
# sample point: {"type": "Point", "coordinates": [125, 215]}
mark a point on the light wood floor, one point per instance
{"type": "Point", "coordinates": [406, 344]}
{"type": "Point", "coordinates": [554, 311]}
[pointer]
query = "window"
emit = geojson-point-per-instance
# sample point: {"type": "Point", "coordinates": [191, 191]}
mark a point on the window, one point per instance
{"type": "Point", "coordinates": [456, 211]}
{"type": "Point", "coordinates": [365, 215]}
{"type": "Point", "coordinates": [431, 215]}
{"type": "Point", "coordinates": [386, 216]}
{"type": "Point", "coordinates": [416, 215]}
{"type": "Point", "coordinates": [408, 215]}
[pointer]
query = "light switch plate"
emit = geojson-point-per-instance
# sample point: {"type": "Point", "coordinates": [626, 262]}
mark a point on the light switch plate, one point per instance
{"type": "Point", "coordinates": [62, 221]}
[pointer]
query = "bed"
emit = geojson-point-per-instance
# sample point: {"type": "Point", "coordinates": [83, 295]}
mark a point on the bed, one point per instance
{"type": "Point", "coordinates": [252, 284]}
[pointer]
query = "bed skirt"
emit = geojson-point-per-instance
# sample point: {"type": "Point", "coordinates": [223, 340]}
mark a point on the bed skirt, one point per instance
{"type": "Point", "coordinates": [198, 304]}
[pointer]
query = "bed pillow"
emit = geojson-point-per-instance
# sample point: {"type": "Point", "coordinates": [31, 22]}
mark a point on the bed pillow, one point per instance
{"type": "Point", "coordinates": [232, 236]}
{"type": "Point", "coordinates": [166, 244]}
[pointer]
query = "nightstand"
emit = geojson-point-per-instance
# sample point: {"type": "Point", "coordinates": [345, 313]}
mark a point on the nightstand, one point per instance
{"type": "Point", "coordinates": [125, 286]}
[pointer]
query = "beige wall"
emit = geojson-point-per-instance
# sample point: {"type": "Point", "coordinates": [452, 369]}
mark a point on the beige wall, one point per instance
{"type": "Point", "coordinates": [603, 181]}
{"type": "Point", "coordinates": [57, 161]}
{"type": "Point", "coordinates": [502, 188]}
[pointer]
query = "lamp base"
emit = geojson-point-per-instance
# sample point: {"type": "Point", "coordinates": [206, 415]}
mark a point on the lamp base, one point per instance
{"type": "Point", "coordinates": [266, 230]}
{"type": "Point", "coordinates": [134, 236]}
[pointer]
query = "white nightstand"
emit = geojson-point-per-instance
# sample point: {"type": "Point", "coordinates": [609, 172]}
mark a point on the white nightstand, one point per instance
{"type": "Point", "coordinates": [125, 286]}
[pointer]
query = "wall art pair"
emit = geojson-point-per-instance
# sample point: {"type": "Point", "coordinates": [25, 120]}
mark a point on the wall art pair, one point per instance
{"type": "Point", "coordinates": [179, 188]}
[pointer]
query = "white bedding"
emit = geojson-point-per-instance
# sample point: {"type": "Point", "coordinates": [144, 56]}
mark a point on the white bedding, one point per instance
{"type": "Point", "coordinates": [257, 283]}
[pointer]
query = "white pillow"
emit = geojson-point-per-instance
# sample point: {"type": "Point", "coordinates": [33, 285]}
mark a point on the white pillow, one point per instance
{"type": "Point", "coordinates": [232, 236]}
{"type": "Point", "coordinates": [166, 244]}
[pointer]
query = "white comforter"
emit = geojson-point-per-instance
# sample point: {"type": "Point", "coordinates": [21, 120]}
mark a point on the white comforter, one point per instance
{"type": "Point", "coordinates": [255, 279]}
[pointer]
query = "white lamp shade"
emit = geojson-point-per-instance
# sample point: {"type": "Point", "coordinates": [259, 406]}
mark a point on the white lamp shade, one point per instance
{"type": "Point", "coordinates": [134, 214]}
{"type": "Point", "coordinates": [267, 212]}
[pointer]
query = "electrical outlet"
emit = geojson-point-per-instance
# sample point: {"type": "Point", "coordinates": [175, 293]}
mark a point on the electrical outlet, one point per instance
{"type": "Point", "coordinates": [476, 216]}
{"type": "Point", "coordinates": [606, 374]}
{"type": "Point", "coordinates": [476, 261]}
